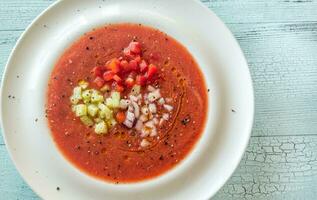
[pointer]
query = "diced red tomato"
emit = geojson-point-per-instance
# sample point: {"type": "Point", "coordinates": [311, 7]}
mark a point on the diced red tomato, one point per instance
{"type": "Point", "coordinates": [99, 81]}
{"type": "Point", "coordinates": [133, 65]}
{"type": "Point", "coordinates": [124, 65]}
{"type": "Point", "coordinates": [117, 78]}
{"type": "Point", "coordinates": [120, 88]}
{"type": "Point", "coordinates": [129, 82]}
{"type": "Point", "coordinates": [132, 74]}
{"type": "Point", "coordinates": [138, 59]}
{"type": "Point", "coordinates": [143, 66]}
{"type": "Point", "coordinates": [97, 71]}
{"type": "Point", "coordinates": [135, 47]}
{"type": "Point", "coordinates": [120, 116]}
{"type": "Point", "coordinates": [151, 71]}
{"type": "Point", "coordinates": [141, 80]}
{"type": "Point", "coordinates": [127, 71]}
{"type": "Point", "coordinates": [108, 75]}
{"type": "Point", "coordinates": [127, 52]}
{"type": "Point", "coordinates": [114, 65]}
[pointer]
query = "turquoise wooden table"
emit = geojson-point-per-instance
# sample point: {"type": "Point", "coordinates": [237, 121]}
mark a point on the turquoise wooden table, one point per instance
{"type": "Point", "coordinates": [279, 39]}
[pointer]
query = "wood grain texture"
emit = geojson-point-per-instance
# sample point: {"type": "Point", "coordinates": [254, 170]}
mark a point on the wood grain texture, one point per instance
{"type": "Point", "coordinates": [11, 185]}
{"type": "Point", "coordinates": [283, 63]}
{"type": "Point", "coordinates": [279, 39]}
{"type": "Point", "coordinates": [17, 14]}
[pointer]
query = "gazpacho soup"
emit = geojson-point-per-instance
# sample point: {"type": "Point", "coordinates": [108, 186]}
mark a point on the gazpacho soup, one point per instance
{"type": "Point", "coordinates": [126, 103]}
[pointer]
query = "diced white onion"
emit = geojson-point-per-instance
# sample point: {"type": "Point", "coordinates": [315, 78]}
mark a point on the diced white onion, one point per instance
{"type": "Point", "coordinates": [128, 123]}
{"type": "Point", "coordinates": [130, 116]}
{"type": "Point", "coordinates": [165, 116]}
{"type": "Point", "coordinates": [161, 101]}
{"type": "Point", "coordinates": [153, 132]}
{"type": "Point", "coordinates": [139, 125]}
{"type": "Point", "coordinates": [145, 110]}
{"type": "Point", "coordinates": [155, 120]}
{"type": "Point", "coordinates": [124, 103]}
{"type": "Point", "coordinates": [144, 143]}
{"type": "Point", "coordinates": [145, 97]}
{"type": "Point", "coordinates": [136, 109]}
{"type": "Point", "coordinates": [145, 132]}
{"type": "Point", "coordinates": [139, 97]}
{"type": "Point", "coordinates": [153, 96]}
{"type": "Point", "coordinates": [129, 119]}
{"type": "Point", "coordinates": [150, 88]}
{"type": "Point", "coordinates": [130, 108]}
{"type": "Point", "coordinates": [168, 107]}
{"type": "Point", "coordinates": [143, 118]}
{"type": "Point", "coordinates": [149, 124]}
{"type": "Point", "coordinates": [133, 98]}
{"type": "Point", "coordinates": [152, 108]}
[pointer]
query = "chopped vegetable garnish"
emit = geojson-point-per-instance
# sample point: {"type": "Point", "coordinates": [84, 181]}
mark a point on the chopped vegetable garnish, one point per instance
{"type": "Point", "coordinates": [103, 108]}
{"type": "Point", "coordinates": [114, 65]}
{"type": "Point", "coordinates": [108, 75]}
{"type": "Point", "coordinates": [101, 128]}
{"type": "Point", "coordinates": [99, 82]}
{"type": "Point", "coordinates": [104, 111]}
{"type": "Point", "coordinates": [120, 117]}
{"type": "Point", "coordinates": [96, 97]}
{"type": "Point", "coordinates": [86, 121]}
{"type": "Point", "coordinates": [76, 97]}
{"type": "Point", "coordinates": [92, 110]}
{"type": "Point", "coordinates": [80, 110]}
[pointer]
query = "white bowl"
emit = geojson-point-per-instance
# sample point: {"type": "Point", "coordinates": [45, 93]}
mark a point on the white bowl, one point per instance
{"type": "Point", "coordinates": [231, 103]}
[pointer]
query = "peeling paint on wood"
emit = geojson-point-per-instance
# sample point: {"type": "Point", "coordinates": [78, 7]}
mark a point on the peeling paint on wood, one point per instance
{"type": "Point", "coordinates": [275, 168]}
{"type": "Point", "coordinates": [279, 39]}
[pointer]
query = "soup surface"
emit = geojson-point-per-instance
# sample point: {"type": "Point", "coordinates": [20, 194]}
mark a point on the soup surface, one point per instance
{"type": "Point", "coordinates": [126, 103]}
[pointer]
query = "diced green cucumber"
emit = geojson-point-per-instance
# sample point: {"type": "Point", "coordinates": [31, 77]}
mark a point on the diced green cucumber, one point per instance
{"type": "Point", "coordinates": [74, 100]}
{"type": "Point", "coordinates": [77, 92]}
{"type": "Point", "coordinates": [86, 120]}
{"type": "Point", "coordinates": [115, 96]}
{"type": "Point", "coordinates": [111, 122]}
{"type": "Point", "coordinates": [109, 102]}
{"type": "Point", "coordinates": [104, 111]}
{"type": "Point", "coordinates": [114, 100]}
{"type": "Point", "coordinates": [74, 108]}
{"type": "Point", "coordinates": [86, 94]}
{"type": "Point", "coordinates": [80, 110]}
{"type": "Point", "coordinates": [101, 128]}
{"type": "Point", "coordinates": [97, 120]}
{"type": "Point", "coordinates": [92, 110]}
{"type": "Point", "coordinates": [96, 97]}
{"type": "Point", "coordinates": [76, 97]}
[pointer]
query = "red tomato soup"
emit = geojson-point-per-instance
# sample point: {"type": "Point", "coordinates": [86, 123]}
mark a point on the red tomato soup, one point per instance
{"type": "Point", "coordinates": [126, 103]}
